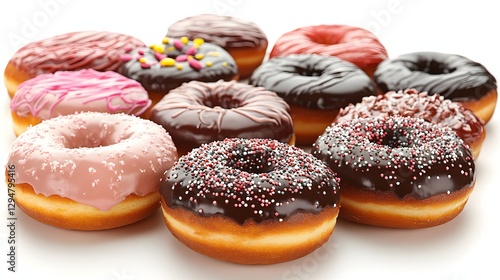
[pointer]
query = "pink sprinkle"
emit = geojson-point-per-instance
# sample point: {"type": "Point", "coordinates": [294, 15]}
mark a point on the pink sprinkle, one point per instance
{"type": "Point", "coordinates": [178, 44]}
{"type": "Point", "coordinates": [181, 58]}
{"type": "Point", "coordinates": [159, 56]}
{"type": "Point", "coordinates": [126, 57]}
{"type": "Point", "coordinates": [141, 52]}
{"type": "Point", "coordinates": [195, 64]}
{"type": "Point", "coordinates": [191, 51]}
{"type": "Point", "coordinates": [128, 48]}
{"type": "Point", "coordinates": [145, 65]}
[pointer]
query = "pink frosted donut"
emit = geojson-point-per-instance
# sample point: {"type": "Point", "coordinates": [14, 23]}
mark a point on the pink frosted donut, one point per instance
{"type": "Point", "coordinates": [67, 92]}
{"type": "Point", "coordinates": [91, 171]}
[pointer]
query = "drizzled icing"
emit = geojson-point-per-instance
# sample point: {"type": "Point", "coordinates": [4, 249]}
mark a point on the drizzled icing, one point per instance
{"type": "Point", "coordinates": [408, 157]}
{"type": "Point", "coordinates": [66, 92]}
{"type": "Point", "coordinates": [250, 179]}
{"type": "Point", "coordinates": [353, 44]}
{"type": "Point", "coordinates": [314, 81]}
{"type": "Point", "coordinates": [225, 31]}
{"type": "Point", "coordinates": [410, 102]}
{"type": "Point", "coordinates": [197, 113]}
{"type": "Point", "coordinates": [453, 76]}
{"type": "Point", "coordinates": [98, 50]}
{"type": "Point", "coordinates": [97, 159]}
{"type": "Point", "coordinates": [175, 61]}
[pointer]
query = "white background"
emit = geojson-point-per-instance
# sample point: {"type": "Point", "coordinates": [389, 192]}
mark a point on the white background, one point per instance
{"type": "Point", "coordinates": [465, 248]}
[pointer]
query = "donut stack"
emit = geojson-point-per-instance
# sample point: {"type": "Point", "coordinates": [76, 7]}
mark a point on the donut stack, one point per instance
{"type": "Point", "coordinates": [249, 157]}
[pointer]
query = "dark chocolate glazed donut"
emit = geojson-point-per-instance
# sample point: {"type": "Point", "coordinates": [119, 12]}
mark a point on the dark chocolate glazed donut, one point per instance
{"type": "Point", "coordinates": [314, 81]}
{"type": "Point", "coordinates": [224, 31]}
{"type": "Point", "coordinates": [405, 156]}
{"type": "Point", "coordinates": [250, 179]}
{"type": "Point", "coordinates": [453, 76]}
{"type": "Point", "coordinates": [166, 66]}
{"type": "Point", "coordinates": [197, 113]}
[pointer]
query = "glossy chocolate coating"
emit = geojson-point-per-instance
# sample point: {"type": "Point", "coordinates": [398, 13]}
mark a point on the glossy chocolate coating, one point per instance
{"type": "Point", "coordinates": [432, 108]}
{"type": "Point", "coordinates": [215, 64]}
{"type": "Point", "coordinates": [250, 179]}
{"type": "Point", "coordinates": [197, 113]}
{"type": "Point", "coordinates": [405, 156]}
{"type": "Point", "coordinates": [314, 81]}
{"type": "Point", "coordinates": [453, 76]}
{"type": "Point", "coordinates": [225, 31]}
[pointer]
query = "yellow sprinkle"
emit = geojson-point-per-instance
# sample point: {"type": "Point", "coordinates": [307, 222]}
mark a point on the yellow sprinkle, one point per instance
{"type": "Point", "coordinates": [184, 40]}
{"type": "Point", "coordinates": [142, 59]}
{"type": "Point", "coordinates": [159, 48]}
{"type": "Point", "coordinates": [196, 46]}
{"type": "Point", "coordinates": [213, 53]}
{"type": "Point", "coordinates": [224, 64]}
{"type": "Point", "coordinates": [167, 62]}
{"type": "Point", "coordinates": [198, 41]}
{"type": "Point", "coordinates": [165, 40]}
{"type": "Point", "coordinates": [170, 49]}
{"type": "Point", "coordinates": [208, 63]}
{"type": "Point", "coordinates": [179, 66]}
{"type": "Point", "coordinates": [190, 57]}
{"type": "Point", "coordinates": [198, 56]}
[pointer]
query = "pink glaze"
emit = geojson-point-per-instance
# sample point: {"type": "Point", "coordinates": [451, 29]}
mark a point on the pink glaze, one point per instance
{"type": "Point", "coordinates": [66, 92]}
{"type": "Point", "coordinates": [96, 159]}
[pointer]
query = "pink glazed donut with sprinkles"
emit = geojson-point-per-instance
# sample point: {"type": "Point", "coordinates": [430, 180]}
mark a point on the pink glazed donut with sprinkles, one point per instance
{"type": "Point", "coordinates": [66, 92]}
{"type": "Point", "coordinates": [398, 171]}
{"type": "Point", "coordinates": [250, 201]}
{"type": "Point", "coordinates": [91, 171]}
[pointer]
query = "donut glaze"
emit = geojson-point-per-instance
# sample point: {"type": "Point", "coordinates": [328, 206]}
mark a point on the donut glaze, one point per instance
{"type": "Point", "coordinates": [314, 81]}
{"type": "Point", "coordinates": [432, 108]}
{"type": "Point", "coordinates": [98, 50]}
{"type": "Point", "coordinates": [356, 45]}
{"type": "Point", "coordinates": [197, 113]}
{"type": "Point", "coordinates": [250, 180]}
{"type": "Point", "coordinates": [96, 159]}
{"type": "Point", "coordinates": [453, 76]}
{"type": "Point", "coordinates": [244, 40]}
{"type": "Point", "coordinates": [67, 92]}
{"type": "Point", "coordinates": [404, 156]}
{"type": "Point", "coordinates": [161, 68]}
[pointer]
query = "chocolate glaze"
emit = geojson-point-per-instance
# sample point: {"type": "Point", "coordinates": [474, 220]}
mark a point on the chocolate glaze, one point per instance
{"type": "Point", "coordinates": [356, 45]}
{"type": "Point", "coordinates": [432, 108]}
{"type": "Point", "coordinates": [453, 76]}
{"type": "Point", "coordinates": [250, 179]}
{"type": "Point", "coordinates": [225, 31]}
{"type": "Point", "coordinates": [314, 81]}
{"type": "Point", "coordinates": [197, 113]}
{"type": "Point", "coordinates": [74, 51]}
{"type": "Point", "coordinates": [405, 156]}
{"type": "Point", "coordinates": [215, 62]}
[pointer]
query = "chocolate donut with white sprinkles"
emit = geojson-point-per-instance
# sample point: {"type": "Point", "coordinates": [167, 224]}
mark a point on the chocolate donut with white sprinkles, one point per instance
{"type": "Point", "coordinates": [250, 201]}
{"type": "Point", "coordinates": [398, 171]}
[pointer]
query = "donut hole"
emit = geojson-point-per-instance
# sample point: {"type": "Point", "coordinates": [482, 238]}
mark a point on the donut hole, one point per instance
{"type": "Point", "coordinates": [307, 72]}
{"type": "Point", "coordinates": [323, 38]}
{"type": "Point", "coordinates": [93, 137]}
{"type": "Point", "coordinates": [398, 138]}
{"type": "Point", "coordinates": [224, 101]}
{"type": "Point", "coordinates": [435, 68]}
{"type": "Point", "coordinates": [252, 159]}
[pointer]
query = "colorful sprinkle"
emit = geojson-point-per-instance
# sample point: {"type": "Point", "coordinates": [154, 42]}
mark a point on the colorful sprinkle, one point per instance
{"type": "Point", "coordinates": [167, 62]}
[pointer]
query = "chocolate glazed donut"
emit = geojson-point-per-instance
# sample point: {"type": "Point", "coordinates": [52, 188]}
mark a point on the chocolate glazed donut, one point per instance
{"type": "Point", "coordinates": [197, 113]}
{"type": "Point", "coordinates": [452, 76]}
{"type": "Point", "coordinates": [316, 87]}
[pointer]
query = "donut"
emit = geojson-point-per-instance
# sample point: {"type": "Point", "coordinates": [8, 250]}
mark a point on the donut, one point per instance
{"type": "Point", "coordinates": [197, 113]}
{"type": "Point", "coordinates": [356, 45]}
{"type": "Point", "coordinates": [399, 172]}
{"type": "Point", "coordinates": [432, 108]}
{"type": "Point", "coordinates": [66, 92]}
{"type": "Point", "coordinates": [453, 76]}
{"type": "Point", "coordinates": [250, 201]}
{"type": "Point", "coordinates": [244, 40]}
{"type": "Point", "coordinates": [163, 67]}
{"type": "Point", "coordinates": [98, 50]}
{"type": "Point", "coordinates": [90, 171]}
{"type": "Point", "coordinates": [316, 87]}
